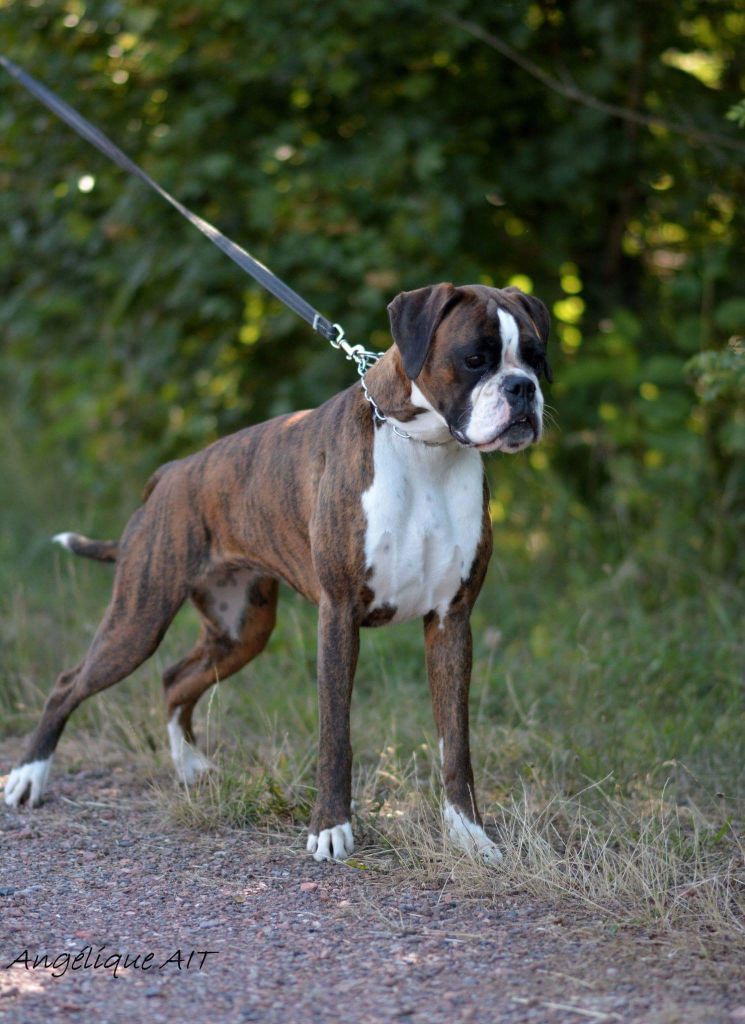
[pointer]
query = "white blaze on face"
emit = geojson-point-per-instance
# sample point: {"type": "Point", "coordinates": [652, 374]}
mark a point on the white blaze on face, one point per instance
{"type": "Point", "coordinates": [510, 333]}
{"type": "Point", "coordinates": [490, 410]}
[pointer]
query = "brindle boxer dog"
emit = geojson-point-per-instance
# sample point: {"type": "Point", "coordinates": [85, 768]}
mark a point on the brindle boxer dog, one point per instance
{"type": "Point", "coordinates": [371, 526]}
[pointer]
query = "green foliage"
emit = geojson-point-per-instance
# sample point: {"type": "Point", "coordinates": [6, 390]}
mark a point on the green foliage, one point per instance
{"type": "Point", "coordinates": [360, 150]}
{"type": "Point", "coordinates": [736, 113]}
{"type": "Point", "coordinates": [721, 375]}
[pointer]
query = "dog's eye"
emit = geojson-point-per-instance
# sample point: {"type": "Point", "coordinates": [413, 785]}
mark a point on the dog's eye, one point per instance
{"type": "Point", "coordinates": [475, 361]}
{"type": "Point", "coordinates": [537, 361]}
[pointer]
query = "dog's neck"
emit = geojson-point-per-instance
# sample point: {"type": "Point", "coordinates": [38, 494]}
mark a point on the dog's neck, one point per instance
{"type": "Point", "coordinates": [402, 403]}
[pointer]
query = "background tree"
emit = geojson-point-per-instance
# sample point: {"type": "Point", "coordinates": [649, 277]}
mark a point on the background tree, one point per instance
{"type": "Point", "coordinates": [579, 150]}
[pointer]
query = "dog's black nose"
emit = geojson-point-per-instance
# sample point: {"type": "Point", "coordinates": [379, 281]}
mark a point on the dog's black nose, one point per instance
{"type": "Point", "coordinates": [518, 388]}
{"type": "Point", "coordinates": [519, 391]}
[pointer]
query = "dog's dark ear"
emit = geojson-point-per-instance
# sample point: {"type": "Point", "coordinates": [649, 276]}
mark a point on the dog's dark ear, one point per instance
{"type": "Point", "coordinates": [540, 316]}
{"type": "Point", "coordinates": [415, 316]}
{"type": "Point", "coordinates": [535, 309]}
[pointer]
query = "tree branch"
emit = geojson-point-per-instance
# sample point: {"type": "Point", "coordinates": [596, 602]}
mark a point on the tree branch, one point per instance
{"type": "Point", "coordinates": [576, 95]}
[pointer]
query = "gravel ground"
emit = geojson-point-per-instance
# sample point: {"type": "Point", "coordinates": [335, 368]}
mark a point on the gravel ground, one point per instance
{"type": "Point", "coordinates": [290, 940]}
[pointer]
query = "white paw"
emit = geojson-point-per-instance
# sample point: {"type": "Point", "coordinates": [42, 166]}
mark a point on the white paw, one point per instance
{"type": "Point", "coordinates": [63, 539]}
{"type": "Point", "coordinates": [188, 761]}
{"type": "Point", "coordinates": [470, 837]}
{"type": "Point", "coordinates": [27, 783]}
{"type": "Point", "coordinates": [332, 844]}
{"type": "Point", "coordinates": [191, 764]}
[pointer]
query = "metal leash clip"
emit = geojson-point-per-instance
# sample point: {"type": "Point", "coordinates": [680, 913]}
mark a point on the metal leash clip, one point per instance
{"type": "Point", "coordinates": [363, 359]}
{"type": "Point", "coordinates": [359, 355]}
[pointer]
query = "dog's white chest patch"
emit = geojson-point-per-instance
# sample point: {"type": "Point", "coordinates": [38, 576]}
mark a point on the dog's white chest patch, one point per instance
{"type": "Point", "coordinates": [424, 516]}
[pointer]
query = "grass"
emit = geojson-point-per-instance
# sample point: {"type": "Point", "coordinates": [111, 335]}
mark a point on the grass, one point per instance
{"type": "Point", "coordinates": [607, 717]}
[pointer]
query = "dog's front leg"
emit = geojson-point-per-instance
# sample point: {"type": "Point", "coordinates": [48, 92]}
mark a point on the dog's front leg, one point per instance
{"type": "Point", "coordinates": [338, 646]}
{"type": "Point", "coordinates": [448, 648]}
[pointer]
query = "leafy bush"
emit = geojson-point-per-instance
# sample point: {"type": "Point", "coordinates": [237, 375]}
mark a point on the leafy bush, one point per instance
{"type": "Point", "coordinates": [365, 149]}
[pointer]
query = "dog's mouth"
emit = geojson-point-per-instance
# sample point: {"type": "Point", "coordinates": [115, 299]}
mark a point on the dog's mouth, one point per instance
{"type": "Point", "coordinates": [519, 431]}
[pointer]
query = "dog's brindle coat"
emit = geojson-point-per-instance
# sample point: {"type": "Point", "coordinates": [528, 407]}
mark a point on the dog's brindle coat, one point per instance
{"type": "Point", "coordinates": [295, 499]}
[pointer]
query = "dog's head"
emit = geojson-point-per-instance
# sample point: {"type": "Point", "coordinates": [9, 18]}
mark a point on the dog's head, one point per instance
{"type": "Point", "coordinates": [476, 356]}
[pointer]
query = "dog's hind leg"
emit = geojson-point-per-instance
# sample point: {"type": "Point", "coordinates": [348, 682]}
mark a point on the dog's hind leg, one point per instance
{"type": "Point", "coordinates": [238, 609]}
{"type": "Point", "coordinates": [141, 609]}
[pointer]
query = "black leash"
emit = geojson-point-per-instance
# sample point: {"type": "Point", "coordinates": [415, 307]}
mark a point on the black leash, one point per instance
{"type": "Point", "coordinates": [330, 331]}
{"type": "Point", "coordinates": [333, 333]}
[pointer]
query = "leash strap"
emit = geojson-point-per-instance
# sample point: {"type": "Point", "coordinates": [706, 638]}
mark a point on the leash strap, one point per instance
{"type": "Point", "coordinates": [330, 331]}
{"type": "Point", "coordinates": [333, 333]}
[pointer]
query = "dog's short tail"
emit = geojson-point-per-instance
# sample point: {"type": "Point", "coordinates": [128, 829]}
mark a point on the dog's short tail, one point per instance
{"type": "Point", "coordinates": [103, 550]}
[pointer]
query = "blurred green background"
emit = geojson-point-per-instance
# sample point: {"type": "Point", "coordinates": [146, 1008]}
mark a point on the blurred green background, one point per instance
{"type": "Point", "coordinates": [591, 152]}
{"type": "Point", "coordinates": [360, 150]}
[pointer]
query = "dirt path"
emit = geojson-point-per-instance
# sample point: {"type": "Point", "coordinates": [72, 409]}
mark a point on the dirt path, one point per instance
{"type": "Point", "coordinates": [296, 941]}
